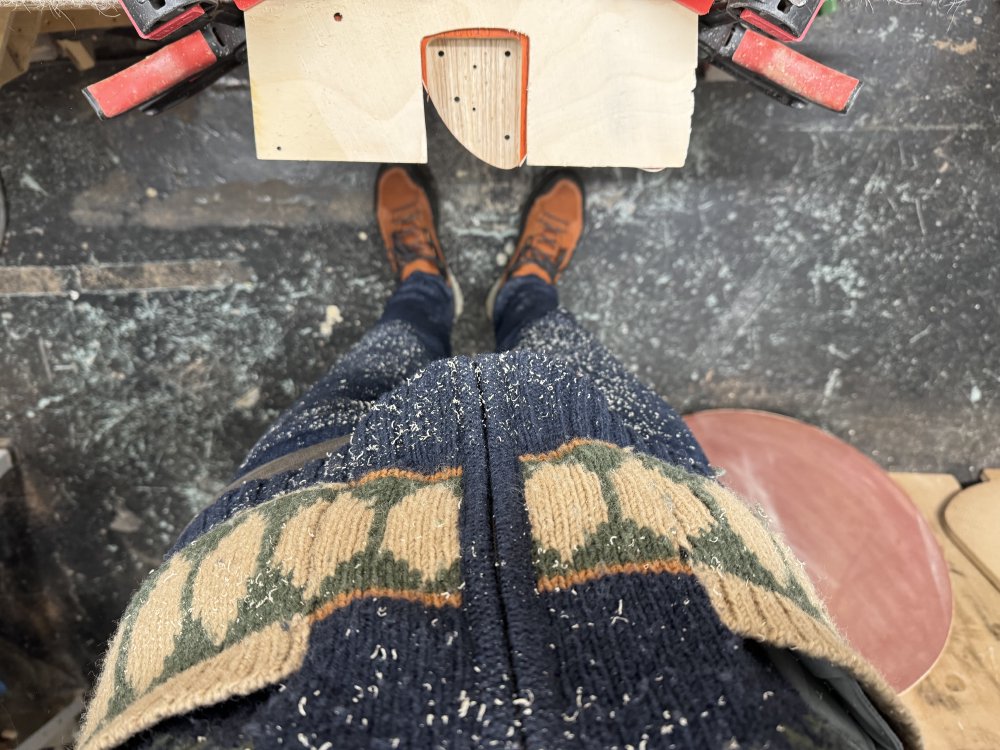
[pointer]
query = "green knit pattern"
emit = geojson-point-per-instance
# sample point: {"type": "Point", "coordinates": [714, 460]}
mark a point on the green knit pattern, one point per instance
{"type": "Point", "coordinates": [633, 539]}
{"type": "Point", "coordinates": [271, 592]}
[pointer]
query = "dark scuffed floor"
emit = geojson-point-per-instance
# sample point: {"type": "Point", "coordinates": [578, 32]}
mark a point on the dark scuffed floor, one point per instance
{"type": "Point", "coordinates": [163, 294]}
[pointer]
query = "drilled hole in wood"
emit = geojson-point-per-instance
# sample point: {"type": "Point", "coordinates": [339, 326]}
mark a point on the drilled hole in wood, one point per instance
{"type": "Point", "coordinates": [473, 109]}
{"type": "Point", "coordinates": [338, 17]}
{"type": "Point", "coordinates": [474, 67]}
{"type": "Point", "coordinates": [506, 137]}
{"type": "Point", "coordinates": [457, 99]}
{"type": "Point", "coordinates": [507, 53]}
{"type": "Point", "coordinates": [441, 53]}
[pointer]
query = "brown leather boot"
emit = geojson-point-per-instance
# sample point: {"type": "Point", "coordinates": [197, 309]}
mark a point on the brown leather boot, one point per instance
{"type": "Point", "coordinates": [406, 218]}
{"type": "Point", "coordinates": [550, 230]}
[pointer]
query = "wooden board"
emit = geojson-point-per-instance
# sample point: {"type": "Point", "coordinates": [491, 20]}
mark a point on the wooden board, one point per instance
{"type": "Point", "coordinates": [478, 84]}
{"type": "Point", "coordinates": [82, 19]}
{"type": "Point", "coordinates": [6, 17]}
{"type": "Point", "coordinates": [972, 520]}
{"type": "Point", "coordinates": [21, 30]}
{"type": "Point", "coordinates": [18, 30]}
{"type": "Point", "coordinates": [6, 459]}
{"type": "Point", "coordinates": [957, 705]}
{"type": "Point", "coordinates": [610, 82]}
{"type": "Point", "coordinates": [77, 52]}
{"type": "Point", "coordinates": [104, 5]}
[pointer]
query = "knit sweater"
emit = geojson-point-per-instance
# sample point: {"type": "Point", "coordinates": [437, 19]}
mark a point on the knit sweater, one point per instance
{"type": "Point", "coordinates": [493, 560]}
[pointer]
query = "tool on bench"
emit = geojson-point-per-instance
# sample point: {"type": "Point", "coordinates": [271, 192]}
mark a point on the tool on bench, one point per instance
{"type": "Point", "coordinates": [212, 45]}
{"type": "Point", "coordinates": [729, 37]}
{"type": "Point", "coordinates": [785, 20]}
{"type": "Point", "coordinates": [159, 20]}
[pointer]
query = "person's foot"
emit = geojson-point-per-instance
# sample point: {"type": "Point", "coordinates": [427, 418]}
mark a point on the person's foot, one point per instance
{"type": "Point", "coordinates": [406, 219]}
{"type": "Point", "coordinates": [550, 230]}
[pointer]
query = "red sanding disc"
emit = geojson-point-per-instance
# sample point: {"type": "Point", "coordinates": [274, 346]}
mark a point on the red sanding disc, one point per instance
{"type": "Point", "coordinates": [865, 545]}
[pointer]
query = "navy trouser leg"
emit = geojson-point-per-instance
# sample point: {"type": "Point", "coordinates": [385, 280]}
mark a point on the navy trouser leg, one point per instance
{"type": "Point", "coordinates": [521, 302]}
{"type": "Point", "coordinates": [414, 330]}
{"type": "Point", "coordinates": [527, 316]}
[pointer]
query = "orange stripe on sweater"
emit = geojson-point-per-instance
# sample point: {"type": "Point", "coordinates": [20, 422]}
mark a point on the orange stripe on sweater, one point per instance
{"type": "Point", "coordinates": [449, 473]}
{"type": "Point", "coordinates": [558, 583]}
{"type": "Point", "coordinates": [349, 597]}
{"type": "Point", "coordinates": [565, 448]}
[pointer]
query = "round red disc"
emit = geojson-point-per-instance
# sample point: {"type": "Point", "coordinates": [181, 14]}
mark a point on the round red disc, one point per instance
{"type": "Point", "coordinates": [865, 545]}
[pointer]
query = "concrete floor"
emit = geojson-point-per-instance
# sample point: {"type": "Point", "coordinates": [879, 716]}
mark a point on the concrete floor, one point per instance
{"type": "Point", "coordinates": [163, 295]}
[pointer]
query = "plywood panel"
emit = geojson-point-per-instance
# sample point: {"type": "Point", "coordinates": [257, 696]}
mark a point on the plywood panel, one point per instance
{"type": "Point", "coordinates": [958, 702]}
{"type": "Point", "coordinates": [972, 520]}
{"type": "Point", "coordinates": [476, 84]}
{"type": "Point", "coordinates": [59, 4]}
{"type": "Point", "coordinates": [77, 52]}
{"type": "Point", "coordinates": [82, 19]}
{"type": "Point", "coordinates": [18, 30]}
{"type": "Point", "coordinates": [610, 81]}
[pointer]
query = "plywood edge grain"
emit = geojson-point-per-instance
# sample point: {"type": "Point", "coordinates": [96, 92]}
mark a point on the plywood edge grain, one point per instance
{"type": "Point", "coordinates": [972, 521]}
{"type": "Point", "coordinates": [477, 80]}
{"type": "Point", "coordinates": [957, 703]}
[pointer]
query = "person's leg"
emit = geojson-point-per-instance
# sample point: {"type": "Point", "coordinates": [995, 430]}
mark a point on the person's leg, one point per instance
{"type": "Point", "coordinates": [414, 330]}
{"type": "Point", "coordinates": [557, 334]}
{"type": "Point", "coordinates": [519, 303]}
{"type": "Point", "coordinates": [525, 310]}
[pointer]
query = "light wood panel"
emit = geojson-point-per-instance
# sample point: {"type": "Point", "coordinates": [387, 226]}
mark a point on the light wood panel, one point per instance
{"type": "Point", "coordinates": [610, 82]}
{"type": "Point", "coordinates": [78, 53]}
{"type": "Point", "coordinates": [18, 30]}
{"type": "Point", "coordinates": [82, 19]}
{"type": "Point", "coordinates": [6, 16]}
{"type": "Point", "coordinates": [972, 520]}
{"type": "Point", "coordinates": [476, 83]}
{"type": "Point", "coordinates": [60, 5]}
{"type": "Point", "coordinates": [957, 704]}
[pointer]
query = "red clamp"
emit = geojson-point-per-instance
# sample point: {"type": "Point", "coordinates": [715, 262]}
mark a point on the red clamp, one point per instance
{"type": "Point", "coordinates": [794, 72]}
{"type": "Point", "coordinates": [701, 7]}
{"type": "Point", "coordinates": [172, 73]}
